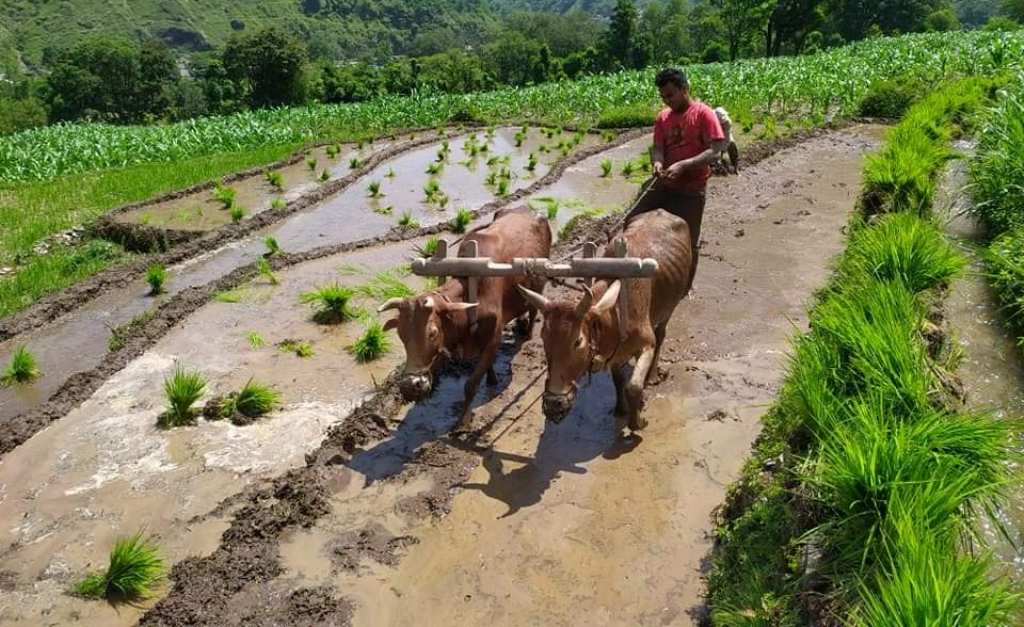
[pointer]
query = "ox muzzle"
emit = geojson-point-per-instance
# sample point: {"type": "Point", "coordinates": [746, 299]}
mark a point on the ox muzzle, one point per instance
{"type": "Point", "coordinates": [415, 386]}
{"type": "Point", "coordinates": [558, 406]}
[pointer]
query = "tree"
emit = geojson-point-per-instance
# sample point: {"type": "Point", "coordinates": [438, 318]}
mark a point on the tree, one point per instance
{"type": "Point", "coordinates": [940, 21]}
{"type": "Point", "coordinates": [621, 38]}
{"type": "Point", "coordinates": [1014, 9]}
{"type": "Point", "coordinates": [513, 58]}
{"type": "Point", "coordinates": [665, 29]}
{"type": "Point", "coordinates": [789, 24]}
{"type": "Point", "coordinates": [269, 64]}
{"type": "Point", "coordinates": [742, 20]}
{"type": "Point", "coordinates": [854, 18]}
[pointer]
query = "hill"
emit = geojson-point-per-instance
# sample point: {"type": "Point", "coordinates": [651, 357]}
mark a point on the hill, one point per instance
{"type": "Point", "coordinates": [341, 29]}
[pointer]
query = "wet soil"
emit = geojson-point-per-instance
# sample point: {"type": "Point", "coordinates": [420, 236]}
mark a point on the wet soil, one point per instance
{"type": "Point", "coordinates": [70, 376]}
{"type": "Point", "coordinates": [992, 371]}
{"type": "Point", "coordinates": [551, 518]}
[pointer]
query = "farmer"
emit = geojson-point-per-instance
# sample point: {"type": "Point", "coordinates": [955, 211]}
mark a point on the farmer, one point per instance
{"type": "Point", "coordinates": [687, 139]}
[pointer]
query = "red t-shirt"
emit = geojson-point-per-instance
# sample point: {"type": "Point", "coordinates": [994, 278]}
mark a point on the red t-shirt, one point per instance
{"type": "Point", "coordinates": [685, 135]}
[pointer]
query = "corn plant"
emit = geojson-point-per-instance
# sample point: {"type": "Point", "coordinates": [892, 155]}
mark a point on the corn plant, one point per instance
{"type": "Point", "coordinates": [156, 276]}
{"type": "Point", "coordinates": [182, 389]}
{"type": "Point", "coordinates": [276, 179]}
{"type": "Point", "coordinates": [21, 369]}
{"type": "Point", "coordinates": [332, 303]}
{"type": "Point", "coordinates": [264, 270]}
{"type": "Point", "coordinates": [224, 195]}
{"type": "Point", "coordinates": [462, 220]}
{"type": "Point", "coordinates": [134, 569]}
{"type": "Point", "coordinates": [372, 344]}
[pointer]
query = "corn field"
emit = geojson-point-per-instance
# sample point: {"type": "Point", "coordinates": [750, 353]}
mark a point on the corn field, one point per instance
{"type": "Point", "coordinates": [808, 87]}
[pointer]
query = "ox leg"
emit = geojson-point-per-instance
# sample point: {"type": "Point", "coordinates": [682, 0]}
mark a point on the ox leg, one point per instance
{"type": "Point", "coordinates": [619, 378]}
{"type": "Point", "coordinates": [485, 365]}
{"type": "Point", "coordinates": [659, 339]}
{"type": "Point", "coordinates": [635, 388]}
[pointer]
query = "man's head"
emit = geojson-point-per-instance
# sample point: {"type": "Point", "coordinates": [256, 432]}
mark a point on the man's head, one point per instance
{"type": "Point", "coordinates": [674, 88]}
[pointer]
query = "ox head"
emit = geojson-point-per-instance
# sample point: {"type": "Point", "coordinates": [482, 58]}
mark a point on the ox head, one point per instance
{"type": "Point", "coordinates": [568, 345]}
{"type": "Point", "coordinates": [421, 327]}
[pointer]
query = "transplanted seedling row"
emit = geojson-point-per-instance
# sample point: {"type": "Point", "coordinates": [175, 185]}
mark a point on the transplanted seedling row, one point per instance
{"type": "Point", "coordinates": [184, 388]}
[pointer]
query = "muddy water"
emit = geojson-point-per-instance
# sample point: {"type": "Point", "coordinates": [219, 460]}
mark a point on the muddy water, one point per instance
{"type": "Point", "coordinates": [106, 470]}
{"type": "Point", "coordinates": [992, 370]}
{"type": "Point", "coordinates": [78, 341]}
{"type": "Point", "coordinates": [572, 524]}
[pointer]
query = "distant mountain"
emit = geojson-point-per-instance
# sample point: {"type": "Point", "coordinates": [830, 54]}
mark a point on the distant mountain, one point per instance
{"type": "Point", "coordinates": [595, 7]}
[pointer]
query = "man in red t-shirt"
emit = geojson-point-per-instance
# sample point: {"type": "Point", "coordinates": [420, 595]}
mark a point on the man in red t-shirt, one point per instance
{"type": "Point", "coordinates": [687, 140]}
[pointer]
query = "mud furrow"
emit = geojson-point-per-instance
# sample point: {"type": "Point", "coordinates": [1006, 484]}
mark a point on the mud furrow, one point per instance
{"type": "Point", "coordinates": [269, 513]}
{"type": "Point", "coordinates": [81, 385]}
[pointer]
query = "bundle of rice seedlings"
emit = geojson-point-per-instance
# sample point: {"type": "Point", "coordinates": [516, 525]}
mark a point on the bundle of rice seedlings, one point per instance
{"type": "Point", "coordinates": [606, 168]}
{"type": "Point", "coordinates": [311, 162]}
{"type": "Point", "coordinates": [135, 568]}
{"type": "Point", "coordinates": [255, 340]}
{"type": "Point", "coordinates": [325, 176]}
{"type": "Point", "coordinates": [278, 203]}
{"type": "Point", "coordinates": [429, 248]}
{"type": "Point", "coordinates": [374, 189]}
{"type": "Point", "coordinates": [224, 195]}
{"type": "Point", "coordinates": [332, 303]}
{"type": "Point", "coordinates": [276, 179]}
{"type": "Point", "coordinates": [273, 248]}
{"type": "Point", "coordinates": [21, 369]}
{"type": "Point", "coordinates": [264, 270]}
{"type": "Point", "coordinates": [237, 213]}
{"type": "Point", "coordinates": [462, 220]}
{"type": "Point", "coordinates": [156, 276]}
{"type": "Point", "coordinates": [300, 349]}
{"type": "Point", "coordinates": [182, 389]}
{"type": "Point", "coordinates": [408, 222]}
{"type": "Point", "coordinates": [372, 344]}
{"type": "Point", "coordinates": [354, 163]}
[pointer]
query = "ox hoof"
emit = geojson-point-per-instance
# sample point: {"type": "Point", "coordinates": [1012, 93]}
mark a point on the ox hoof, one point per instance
{"type": "Point", "coordinates": [637, 423]}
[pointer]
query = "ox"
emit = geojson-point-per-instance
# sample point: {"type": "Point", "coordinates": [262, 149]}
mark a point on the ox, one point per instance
{"type": "Point", "coordinates": [589, 336]}
{"type": "Point", "coordinates": [436, 324]}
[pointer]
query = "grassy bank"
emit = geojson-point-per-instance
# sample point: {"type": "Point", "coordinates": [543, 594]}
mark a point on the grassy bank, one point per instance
{"type": "Point", "coordinates": [866, 484]}
{"type": "Point", "coordinates": [997, 178]}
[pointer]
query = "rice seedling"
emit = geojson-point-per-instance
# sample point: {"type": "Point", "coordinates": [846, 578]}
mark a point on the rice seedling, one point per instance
{"type": "Point", "coordinates": [252, 401]}
{"type": "Point", "coordinates": [435, 168]}
{"type": "Point", "coordinates": [503, 188]}
{"type": "Point", "coordinates": [299, 349]}
{"type": "Point", "coordinates": [156, 276]}
{"type": "Point", "coordinates": [21, 369]}
{"type": "Point", "coordinates": [406, 221]}
{"type": "Point", "coordinates": [391, 173]}
{"type": "Point", "coordinates": [384, 211]}
{"type": "Point", "coordinates": [607, 135]}
{"type": "Point", "coordinates": [606, 168]}
{"type": "Point", "coordinates": [311, 163]}
{"type": "Point", "coordinates": [493, 160]}
{"type": "Point", "coordinates": [385, 285]}
{"type": "Point", "coordinates": [278, 203]}
{"type": "Point", "coordinates": [492, 179]}
{"type": "Point", "coordinates": [520, 137]}
{"type": "Point", "coordinates": [120, 335]}
{"type": "Point", "coordinates": [441, 199]}
{"type": "Point", "coordinates": [133, 571]}
{"type": "Point", "coordinates": [429, 247]}
{"type": "Point", "coordinates": [255, 340]}
{"type": "Point", "coordinates": [627, 169]}
{"type": "Point", "coordinates": [543, 148]}
{"type": "Point", "coordinates": [224, 195]}
{"type": "Point", "coordinates": [374, 189]}
{"type": "Point", "coordinates": [332, 303]}
{"type": "Point", "coordinates": [484, 149]}
{"type": "Point", "coordinates": [231, 296]}
{"type": "Point", "coordinates": [237, 213]}
{"type": "Point", "coordinates": [372, 344]}
{"type": "Point", "coordinates": [431, 189]}
{"type": "Point", "coordinates": [264, 270]}
{"type": "Point", "coordinates": [531, 164]}
{"type": "Point", "coordinates": [462, 220]}
{"type": "Point", "coordinates": [276, 179]}
{"type": "Point", "coordinates": [354, 163]}
{"type": "Point", "coordinates": [361, 143]}
{"type": "Point", "coordinates": [332, 151]}
{"type": "Point", "coordinates": [182, 389]}
{"type": "Point", "coordinates": [550, 206]}
{"type": "Point", "coordinates": [325, 176]}
{"type": "Point", "coordinates": [273, 248]}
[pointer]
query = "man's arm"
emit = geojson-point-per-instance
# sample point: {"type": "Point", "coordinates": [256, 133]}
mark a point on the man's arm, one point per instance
{"type": "Point", "coordinates": [658, 159]}
{"type": "Point", "coordinates": [707, 157]}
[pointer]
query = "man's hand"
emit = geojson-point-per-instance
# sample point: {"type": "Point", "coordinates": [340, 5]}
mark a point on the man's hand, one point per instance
{"type": "Point", "coordinates": [675, 171]}
{"type": "Point", "coordinates": [659, 169]}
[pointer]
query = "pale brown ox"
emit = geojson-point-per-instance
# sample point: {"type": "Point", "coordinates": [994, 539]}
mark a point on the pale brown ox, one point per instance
{"type": "Point", "coordinates": [435, 324]}
{"type": "Point", "coordinates": [585, 336]}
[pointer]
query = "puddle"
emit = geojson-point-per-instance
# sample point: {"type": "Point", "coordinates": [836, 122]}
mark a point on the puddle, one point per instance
{"type": "Point", "coordinates": [992, 370]}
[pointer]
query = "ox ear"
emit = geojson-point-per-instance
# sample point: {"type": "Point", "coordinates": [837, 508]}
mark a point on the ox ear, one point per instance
{"type": "Point", "coordinates": [391, 324]}
{"type": "Point", "coordinates": [608, 300]}
{"type": "Point", "coordinates": [537, 300]}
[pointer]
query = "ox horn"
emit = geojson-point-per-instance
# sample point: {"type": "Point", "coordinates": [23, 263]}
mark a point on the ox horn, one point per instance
{"type": "Point", "coordinates": [584, 305]}
{"type": "Point", "coordinates": [392, 303]}
{"type": "Point", "coordinates": [459, 306]}
{"type": "Point", "coordinates": [537, 300]}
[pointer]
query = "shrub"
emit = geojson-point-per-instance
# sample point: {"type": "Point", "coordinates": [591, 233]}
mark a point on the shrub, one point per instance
{"type": "Point", "coordinates": [332, 303]}
{"type": "Point", "coordinates": [156, 276]}
{"type": "Point", "coordinates": [890, 98]}
{"type": "Point", "coordinates": [135, 568]}
{"type": "Point", "coordinates": [21, 369]}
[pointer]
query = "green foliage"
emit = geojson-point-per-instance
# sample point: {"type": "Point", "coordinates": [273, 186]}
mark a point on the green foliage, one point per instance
{"type": "Point", "coordinates": [502, 188]}
{"type": "Point", "coordinates": [891, 98]}
{"type": "Point", "coordinates": [276, 179]}
{"type": "Point", "coordinates": [134, 570]}
{"type": "Point", "coordinates": [462, 220]}
{"type": "Point", "coordinates": [372, 344]}
{"type": "Point", "coordinates": [269, 64]}
{"type": "Point", "coordinates": [182, 389]}
{"type": "Point", "coordinates": [21, 369]}
{"type": "Point", "coordinates": [156, 276]}
{"type": "Point", "coordinates": [273, 248]}
{"type": "Point", "coordinates": [332, 303]}
{"type": "Point", "coordinates": [407, 221]}
{"type": "Point", "coordinates": [531, 164]}
{"type": "Point", "coordinates": [224, 195]}
{"type": "Point", "coordinates": [354, 163]}
{"type": "Point", "coordinates": [255, 340]}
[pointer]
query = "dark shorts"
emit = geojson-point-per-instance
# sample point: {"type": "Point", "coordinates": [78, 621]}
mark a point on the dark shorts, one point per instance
{"type": "Point", "coordinates": [687, 205]}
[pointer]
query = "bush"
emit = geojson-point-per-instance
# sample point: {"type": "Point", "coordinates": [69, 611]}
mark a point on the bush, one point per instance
{"type": "Point", "coordinates": [891, 98]}
{"type": "Point", "coordinates": [628, 116]}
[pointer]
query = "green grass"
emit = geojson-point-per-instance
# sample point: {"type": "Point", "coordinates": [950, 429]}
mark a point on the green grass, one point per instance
{"type": "Point", "coordinates": [462, 220]}
{"type": "Point", "coordinates": [182, 389]}
{"type": "Point", "coordinates": [134, 570]}
{"type": "Point", "coordinates": [156, 276]}
{"type": "Point", "coordinates": [273, 248]}
{"type": "Point", "coordinates": [372, 344]}
{"type": "Point", "coordinates": [21, 369]}
{"type": "Point", "coordinates": [332, 303]}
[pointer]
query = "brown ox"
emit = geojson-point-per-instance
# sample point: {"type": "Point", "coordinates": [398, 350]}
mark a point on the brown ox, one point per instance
{"type": "Point", "coordinates": [585, 336]}
{"type": "Point", "coordinates": [436, 324]}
